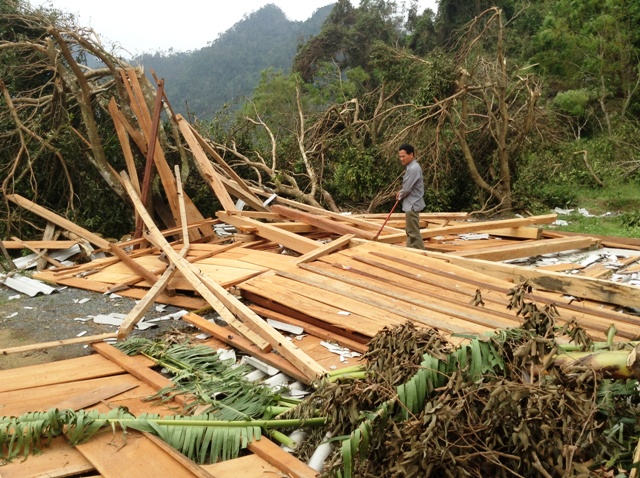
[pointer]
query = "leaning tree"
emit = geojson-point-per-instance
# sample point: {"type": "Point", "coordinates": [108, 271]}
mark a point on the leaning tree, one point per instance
{"type": "Point", "coordinates": [59, 146]}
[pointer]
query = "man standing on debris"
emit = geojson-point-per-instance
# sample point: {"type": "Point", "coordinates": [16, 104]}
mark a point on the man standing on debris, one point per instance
{"type": "Point", "coordinates": [412, 195]}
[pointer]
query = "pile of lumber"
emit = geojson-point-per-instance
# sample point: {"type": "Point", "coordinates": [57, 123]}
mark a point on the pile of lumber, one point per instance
{"type": "Point", "coordinates": [342, 278]}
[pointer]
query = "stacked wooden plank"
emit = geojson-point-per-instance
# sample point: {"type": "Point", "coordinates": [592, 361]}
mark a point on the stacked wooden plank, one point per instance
{"type": "Point", "coordinates": [100, 382]}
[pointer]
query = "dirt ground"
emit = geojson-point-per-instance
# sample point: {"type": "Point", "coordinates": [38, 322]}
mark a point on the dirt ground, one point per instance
{"type": "Point", "coordinates": [28, 320]}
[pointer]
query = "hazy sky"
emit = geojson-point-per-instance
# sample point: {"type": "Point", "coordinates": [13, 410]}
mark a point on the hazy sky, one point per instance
{"type": "Point", "coordinates": [143, 25]}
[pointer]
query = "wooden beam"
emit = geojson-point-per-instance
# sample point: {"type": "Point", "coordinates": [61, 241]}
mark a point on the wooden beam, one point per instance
{"type": "Point", "coordinates": [290, 465]}
{"type": "Point", "coordinates": [123, 137]}
{"type": "Point", "coordinates": [225, 303]}
{"type": "Point", "coordinates": [315, 330]}
{"type": "Point", "coordinates": [89, 339]}
{"type": "Point", "coordinates": [41, 253]}
{"type": "Point", "coordinates": [196, 279]}
{"type": "Point", "coordinates": [353, 219]}
{"type": "Point", "coordinates": [328, 248]}
{"type": "Point", "coordinates": [528, 249]}
{"type": "Point", "coordinates": [58, 220]}
{"type": "Point", "coordinates": [326, 224]}
{"type": "Point", "coordinates": [136, 268]}
{"type": "Point", "coordinates": [472, 227]}
{"type": "Point", "coordinates": [134, 316]}
{"type": "Point", "coordinates": [236, 184]}
{"type": "Point", "coordinates": [585, 287]}
{"type": "Point", "coordinates": [204, 166]}
{"type": "Point", "coordinates": [522, 232]}
{"type": "Point", "coordinates": [164, 171]}
{"type": "Point", "coordinates": [289, 240]}
{"type": "Point", "coordinates": [48, 235]}
{"type": "Point", "coordinates": [244, 345]}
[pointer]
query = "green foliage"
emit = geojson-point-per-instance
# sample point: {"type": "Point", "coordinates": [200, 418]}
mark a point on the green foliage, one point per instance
{"type": "Point", "coordinates": [359, 174]}
{"type": "Point", "coordinates": [573, 102]}
{"type": "Point", "coordinates": [197, 372]}
{"type": "Point", "coordinates": [631, 220]}
{"type": "Point", "coordinates": [202, 438]}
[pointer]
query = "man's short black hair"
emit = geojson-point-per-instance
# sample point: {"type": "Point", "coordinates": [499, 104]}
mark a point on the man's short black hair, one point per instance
{"type": "Point", "coordinates": [407, 148]}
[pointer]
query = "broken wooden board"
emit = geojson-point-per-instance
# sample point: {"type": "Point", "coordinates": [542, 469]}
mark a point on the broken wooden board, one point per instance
{"type": "Point", "coordinates": [529, 248]}
{"type": "Point", "coordinates": [472, 227]}
{"type": "Point", "coordinates": [330, 225]}
{"type": "Point", "coordinates": [289, 240]}
{"type": "Point", "coordinates": [204, 166]}
{"type": "Point", "coordinates": [39, 244]}
{"type": "Point", "coordinates": [58, 220]}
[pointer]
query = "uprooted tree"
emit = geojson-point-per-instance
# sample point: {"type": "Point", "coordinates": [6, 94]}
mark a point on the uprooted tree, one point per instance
{"type": "Point", "coordinates": [60, 147]}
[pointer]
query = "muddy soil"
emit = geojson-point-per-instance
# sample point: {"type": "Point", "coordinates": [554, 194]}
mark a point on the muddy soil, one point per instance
{"type": "Point", "coordinates": [28, 320]}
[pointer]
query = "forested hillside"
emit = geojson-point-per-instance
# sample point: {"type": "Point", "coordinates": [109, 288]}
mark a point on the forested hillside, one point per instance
{"type": "Point", "coordinates": [228, 69]}
{"type": "Point", "coordinates": [512, 106]}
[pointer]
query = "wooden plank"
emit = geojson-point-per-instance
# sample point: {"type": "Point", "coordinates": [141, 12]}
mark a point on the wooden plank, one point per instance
{"type": "Point", "coordinates": [135, 267]}
{"type": "Point", "coordinates": [131, 365]}
{"type": "Point", "coordinates": [42, 254]}
{"type": "Point", "coordinates": [289, 240]}
{"type": "Point", "coordinates": [249, 197]}
{"type": "Point", "coordinates": [310, 328]}
{"type": "Point", "coordinates": [164, 171]}
{"type": "Point", "coordinates": [593, 317]}
{"type": "Point", "coordinates": [58, 460]}
{"type": "Point", "coordinates": [326, 224]}
{"type": "Point", "coordinates": [48, 235]}
{"type": "Point", "coordinates": [528, 249]}
{"type": "Point", "coordinates": [134, 316]}
{"type": "Point", "coordinates": [561, 267]}
{"type": "Point", "coordinates": [354, 219]}
{"type": "Point", "coordinates": [78, 402]}
{"type": "Point", "coordinates": [57, 220]}
{"type": "Point", "coordinates": [71, 370]}
{"type": "Point", "coordinates": [190, 465]}
{"type": "Point", "coordinates": [204, 166]}
{"type": "Point", "coordinates": [112, 453]}
{"type": "Point", "coordinates": [586, 287]}
{"type": "Point", "coordinates": [440, 315]}
{"type": "Point", "coordinates": [347, 316]}
{"type": "Point", "coordinates": [241, 343]}
{"type": "Point", "coordinates": [45, 397]}
{"type": "Point", "coordinates": [328, 248]}
{"type": "Point", "coordinates": [269, 451]}
{"type": "Point", "coordinates": [472, 227]}
{"type": "Point", "coordinates": [249, 466]}
{"type": "Point", "coordinates": [95, 286]}
{"type": "Point", "coordinates": [57, 343]}
{"type": "Point", "coordinates": [522, 232]}
{"type": "Point", "coordinates": [124, 144]}
{"type": "Point", "coordinates": [631, 243]}
{"type": "Point", "coordinates": [20, 244]}
{"type": "Point", "coordinates": [213, 293]}
{"type": "Point", "coordinates": [276, 293]}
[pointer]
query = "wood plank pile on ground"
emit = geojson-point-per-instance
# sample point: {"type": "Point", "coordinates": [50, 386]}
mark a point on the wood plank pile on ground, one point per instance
{"type": "Point", "coordinates": [299, 265]}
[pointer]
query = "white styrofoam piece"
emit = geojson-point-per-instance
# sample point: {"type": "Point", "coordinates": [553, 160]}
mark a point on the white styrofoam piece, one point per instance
{"type": "Point", "coordinates": [255, 375]}
{"type": "Point", "coordinates": [259, 364]}
{"type": "Point", "coordinates": [292, 329]}
{"type": "Point", "coordinates": [117, 319]}
{"type": "Point", "coordinates": [276, 380]}
{"type": "Point", "coordinates": [320, 455]}
{"type": "Point", "coordinates": [227, 354]}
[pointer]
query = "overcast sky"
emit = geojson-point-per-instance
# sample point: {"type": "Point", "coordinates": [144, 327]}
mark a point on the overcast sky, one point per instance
{"type": "Point", "coordinates": [144, 25]}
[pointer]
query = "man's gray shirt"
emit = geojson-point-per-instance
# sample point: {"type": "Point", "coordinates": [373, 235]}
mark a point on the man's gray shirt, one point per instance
{"type": "Point", "coordinates": [412, 193]}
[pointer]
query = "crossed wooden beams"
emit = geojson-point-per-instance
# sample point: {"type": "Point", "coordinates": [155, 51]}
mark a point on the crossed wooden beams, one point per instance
{"type": "Point", "coordinates": [234, 312]}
